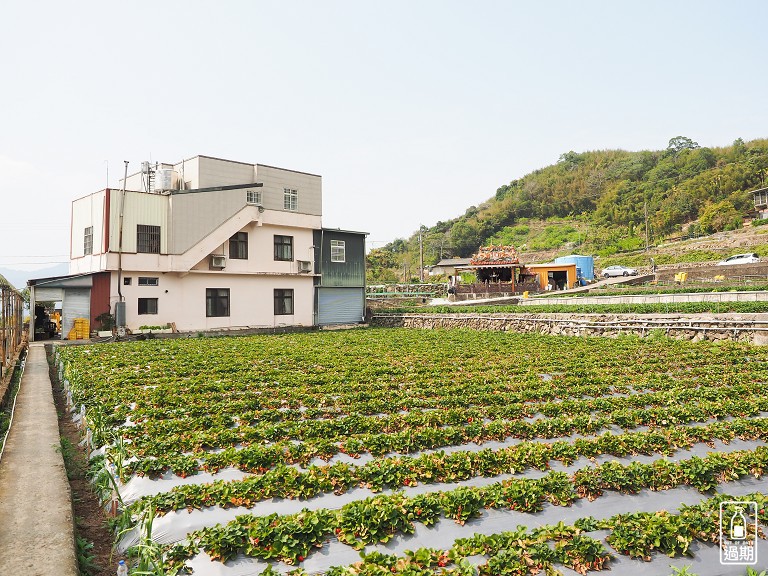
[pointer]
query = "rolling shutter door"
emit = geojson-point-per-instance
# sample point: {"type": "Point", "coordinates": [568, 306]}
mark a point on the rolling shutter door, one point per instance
{"type": "Point", "coordinates": [76, 304]}
{"type": "Point", "coordinates": [340, 306]}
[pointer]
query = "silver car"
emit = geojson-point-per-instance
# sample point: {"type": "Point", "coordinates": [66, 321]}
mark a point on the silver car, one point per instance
{"type": "Point", "coordinates": [750, 258]}
{"type": "Point", "coordinates": [617, 270]}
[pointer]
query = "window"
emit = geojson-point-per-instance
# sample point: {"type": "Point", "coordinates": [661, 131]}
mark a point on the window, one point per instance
{"type": "Point", "coordinates": [238, 246]}
{"type": "Point", "coordinates": [253, 197]}
{"type": "Point", "coordinates": [149, 281]}
{"type": "Point", "coordinates": [127, 281]}
{"type": "Point", "coordinates": [283, 301]}
{"type": "Point", "coordinates": [290, 199]}
{"type": "Point", "coordinates": [338, 251]}
{"type": "Point", "coordinates": [284, 248]}
{"type": "Point", "coordinates": [88, 240]}
{"type": "Point", "coordinates": [147, 305]}
{"type": "Point", "coordinates": [216, 302]}
{"type": "Point", "coordinates": [147, 239]}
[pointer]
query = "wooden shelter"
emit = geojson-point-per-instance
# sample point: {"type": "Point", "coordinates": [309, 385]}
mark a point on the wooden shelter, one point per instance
{"type": "Point", "coordinates": [11, 324]}
{"type": "Point", "coordinates": [499, 272]}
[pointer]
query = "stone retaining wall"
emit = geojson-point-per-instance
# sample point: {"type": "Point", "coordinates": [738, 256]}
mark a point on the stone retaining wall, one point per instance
{"type": "Point", "coordinates": [736, 327]}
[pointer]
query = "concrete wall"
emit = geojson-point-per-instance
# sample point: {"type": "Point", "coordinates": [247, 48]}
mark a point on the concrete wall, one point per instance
{"type": "Point", "coordinates": [219, 172]}
{"type": "Point", "coordinates": [138, 208]}
{"type": "Point", "coordinates": [88, 211]}
{"type": "Point", "coordinates": [196, 215]}
{"type": "Point", "coordinates": [275, 180]}
{"type": "Point", "coordinates": [182, 300]}
{"type": "Point", "coordinates": [261, 250]}
{"type": "Point", "coordinates": [708, 270]}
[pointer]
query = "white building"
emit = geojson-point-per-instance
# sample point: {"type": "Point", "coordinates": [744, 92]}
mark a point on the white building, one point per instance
{"type": "Point", "coordinates": [203, 244]}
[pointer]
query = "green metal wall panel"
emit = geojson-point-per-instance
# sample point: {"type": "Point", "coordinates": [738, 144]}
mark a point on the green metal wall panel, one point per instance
{"type": "Point", "coordinates": [351, 272]}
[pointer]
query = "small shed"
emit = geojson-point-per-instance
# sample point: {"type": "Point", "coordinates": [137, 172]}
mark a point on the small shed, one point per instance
{"type": "Point", "coordinates": [761, 202]}
{"type": "Point", "coordinates": [83, 296]}
{"type": "Point", "coordinates": [560, 276]}
{"type": "Point", "coordinates": [448, 266]}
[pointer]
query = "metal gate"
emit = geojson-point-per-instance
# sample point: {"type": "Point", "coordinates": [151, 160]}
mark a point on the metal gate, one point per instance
{"type": "Point", "coordinates": [340, 305]}
{"type": "Point", "coordinates": [76, 304]}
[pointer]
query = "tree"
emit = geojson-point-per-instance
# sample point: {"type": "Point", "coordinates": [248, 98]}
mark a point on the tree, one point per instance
{"type": "Point", "coordinates": [465, 238]}
{"type": "Point", "coordinates": [718, 217]}
{"type": "Point", "coordinates": [381, 258]}
{"type": "Point", "coordinates": [680, 143]}
{"type": "Point", "coordinates": [739, 148]}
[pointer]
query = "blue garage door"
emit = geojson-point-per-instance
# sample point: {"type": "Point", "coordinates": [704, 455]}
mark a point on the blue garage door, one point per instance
{"type": "Point", "coordinates": [340, 305]}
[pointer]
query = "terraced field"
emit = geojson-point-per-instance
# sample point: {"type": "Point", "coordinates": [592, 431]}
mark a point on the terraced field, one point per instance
{"type": "Point", "coordinates": [426, 452]}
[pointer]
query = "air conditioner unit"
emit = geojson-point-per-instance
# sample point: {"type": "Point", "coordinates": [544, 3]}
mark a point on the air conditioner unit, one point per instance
{"type": "Point", "coordinates": [218, 261]}
{"type": "Point", "coordinates": [304, 266]}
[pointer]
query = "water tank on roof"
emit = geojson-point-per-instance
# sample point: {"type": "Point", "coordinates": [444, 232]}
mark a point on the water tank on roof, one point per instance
{"type": "Point", "coordinates": [166, 179]}
{"type": "Point", "coordinates": [585, 263]}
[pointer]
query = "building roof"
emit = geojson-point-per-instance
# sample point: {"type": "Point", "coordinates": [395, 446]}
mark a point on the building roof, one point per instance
{"type": "Point", "coordinates": [5, 284]}
{"type": "Point", "coordinates": [551, 265]}
{"type": "Point", "coordinates": [495, 255]}
{"type": "Point", "coordinates": [324, 229]}
{"type": "Point", "coordinates": [70, 280]}
{"type": "Point", "coordinates": [453, 262]}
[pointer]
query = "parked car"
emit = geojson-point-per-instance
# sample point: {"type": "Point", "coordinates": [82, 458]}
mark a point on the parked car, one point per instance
{"type": "Point", "coordinates": [750, 258]}
{"type": "Point", "coordinates": [617, 270]}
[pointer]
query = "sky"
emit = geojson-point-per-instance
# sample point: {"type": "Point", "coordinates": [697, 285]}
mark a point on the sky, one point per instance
{"type": "Point", "coordinates": [411, 110]}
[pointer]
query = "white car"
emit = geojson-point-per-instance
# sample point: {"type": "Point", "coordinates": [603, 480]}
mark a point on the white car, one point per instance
{"type": "Point", "coordinates": [617, 270]}
{"type": "Point", "coordinates": [750, 258]}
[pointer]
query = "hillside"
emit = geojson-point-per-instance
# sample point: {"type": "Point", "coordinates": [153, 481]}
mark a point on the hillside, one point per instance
{"type": "Point", "coordinates": [596, 203]}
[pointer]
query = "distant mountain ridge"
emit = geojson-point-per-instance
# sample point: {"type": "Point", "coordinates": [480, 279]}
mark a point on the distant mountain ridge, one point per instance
{"type": "Point", "coordinates": [18, 278]}
{"type": "Point", "coordinates": [608, 196]}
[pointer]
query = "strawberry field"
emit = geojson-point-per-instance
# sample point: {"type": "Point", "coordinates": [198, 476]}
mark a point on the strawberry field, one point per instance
{"type": "Point", "coordinates": [420, 452]}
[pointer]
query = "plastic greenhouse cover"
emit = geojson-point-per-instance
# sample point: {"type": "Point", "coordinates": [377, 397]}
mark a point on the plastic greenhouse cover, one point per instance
{"type": "Point", "coordinates": [174, 526]}
{"type": "Point", "coordinates": [444, 532]}
{"type": "Point", "coordinates": [138, 486]}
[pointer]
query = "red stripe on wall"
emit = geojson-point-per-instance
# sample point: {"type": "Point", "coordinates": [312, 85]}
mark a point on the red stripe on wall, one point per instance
{"type": "Point", "coordinates": [99, 296]}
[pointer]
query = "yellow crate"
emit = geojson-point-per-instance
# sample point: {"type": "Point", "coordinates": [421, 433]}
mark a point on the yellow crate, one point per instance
{"type": "Point", "coordinates": [80, 330]}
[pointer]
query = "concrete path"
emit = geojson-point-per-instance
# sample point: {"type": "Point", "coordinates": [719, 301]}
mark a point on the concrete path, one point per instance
{"type": "Point", "coordinates": [36, 526]}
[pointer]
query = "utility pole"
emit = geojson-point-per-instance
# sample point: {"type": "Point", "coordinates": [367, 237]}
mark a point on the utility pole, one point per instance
{"type": "Point", "coordinates": [645, 209]}
{"type": "Point", "coordinates": [421, 255]}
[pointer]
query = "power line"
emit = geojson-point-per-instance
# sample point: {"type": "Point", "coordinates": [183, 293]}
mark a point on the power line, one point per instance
{"type": "Point", "coordinates": [34, 263]}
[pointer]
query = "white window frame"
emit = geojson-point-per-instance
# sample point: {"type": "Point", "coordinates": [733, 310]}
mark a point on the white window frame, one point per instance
{"type": "Point", "coordinates": [290, 199]}
{"type": "Point", "coordinates": [253, 197]}
{"type": "Point", "coordinates": [149, 281]}
{"type": "Point", "coordinates": [88, 241]}
{"type": "Point", "coordinates": [338, 251]}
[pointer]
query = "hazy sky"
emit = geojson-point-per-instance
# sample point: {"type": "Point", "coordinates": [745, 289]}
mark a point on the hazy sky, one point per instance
{"type": "Point", "coordinates": [411, 110]}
